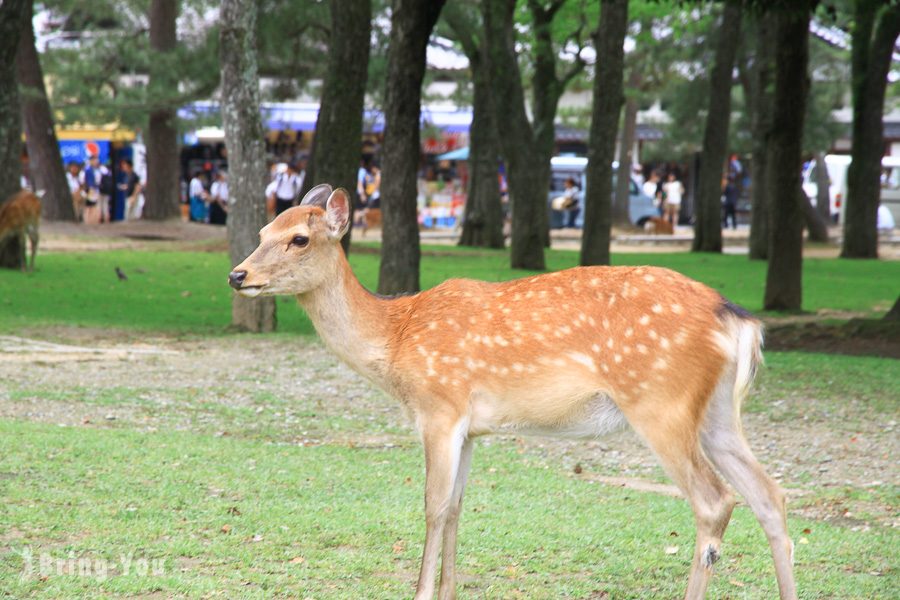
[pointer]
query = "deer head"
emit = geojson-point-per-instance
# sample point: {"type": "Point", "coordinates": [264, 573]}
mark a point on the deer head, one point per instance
{"type": "Point", "coordinates": [297, 250]}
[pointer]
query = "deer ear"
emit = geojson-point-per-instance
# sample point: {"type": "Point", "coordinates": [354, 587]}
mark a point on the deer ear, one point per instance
{"type": "Point", "coordinates": [337, 214]}
{"type": "Point", "coordinates": [317, 196]}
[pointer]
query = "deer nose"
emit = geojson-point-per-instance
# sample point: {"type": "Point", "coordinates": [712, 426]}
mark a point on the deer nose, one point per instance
{"type": "Point", "coordinates": [236, 279]}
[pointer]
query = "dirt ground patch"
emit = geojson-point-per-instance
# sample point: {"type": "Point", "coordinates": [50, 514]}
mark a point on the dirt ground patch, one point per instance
{"type": "Point", "coordinates": [291, 390]}
{"type": "Point", "coordinates": [856, 337]}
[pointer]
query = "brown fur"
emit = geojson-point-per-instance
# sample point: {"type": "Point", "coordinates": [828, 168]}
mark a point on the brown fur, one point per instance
{"type": "Point", "coordinates": [576, 352]}
{"type": "Point", "coordinates": [20, 216]}
{"type": "Point", "coordinates": [658, 226]}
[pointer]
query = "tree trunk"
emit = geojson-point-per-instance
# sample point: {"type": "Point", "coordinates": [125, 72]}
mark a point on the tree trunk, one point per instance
{"type": "Point", "coordinates": [816, 226]}
{"type": "Point", "coordinates": [621, 209]}
{"type": "Point", "coordinates": [411, 25]}
{"type": "Point", "coordinates": [762, 99]}
{"type": "Point", "coordinates": [162, 132]}
{"type": "Point", "coordinates": [337, 148]}
{"type": "Point", "coordinates": [483, 222]}
{"type": "Point", "coordinates": [528, 186]}
{"type": "Point", "coordinates": [708, 223]}
{"type": "Point", "coordinates": [823, 183]}
{"type": "Point", "coordinates": [875, 31]}
{"type": "Point", "coordinates": [608, 98]}
{"type": "Point", "coordinates": [12, 14]}
{"type": "Point", "coordinates": [244, 140]}
{"type": "Point", "coordinates": [43, 148]}
{"type": "Point", "coordinates": [784, 274]}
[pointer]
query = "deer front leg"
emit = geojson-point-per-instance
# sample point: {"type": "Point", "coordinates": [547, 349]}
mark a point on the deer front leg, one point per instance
{"type": "Point", "coordinates": [447, 590]}
{"type": "Point", "coordinates": [443, 440]}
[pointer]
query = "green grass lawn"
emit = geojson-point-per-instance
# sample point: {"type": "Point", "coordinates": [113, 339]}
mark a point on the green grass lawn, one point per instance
{"type": "Point", "coordinates": [254, 514]}
{"type": "Point", "coordinates": [339, 522]}
{"type": "Point", "coordinates": [186, 292]}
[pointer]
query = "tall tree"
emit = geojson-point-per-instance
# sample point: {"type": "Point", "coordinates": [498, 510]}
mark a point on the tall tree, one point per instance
{"type": "Point", "coordinates": [40, 135]}
{"type": "Point", "coordinates": [411, 25]}
{"type": "Point", "coordinates": [246, 152]}
{"type": "Point", "coordinates": [875, 29]}
{"type": "Point", "coordinates": [12, 14]}
{"type": "Point", "coordinates": [336, 149]}
{"type": "Point", "coordinates": [162, 130]}
{"type": "Point", "coordinates": [483, 218]}
{"type": "Point", "coordinates": [708, 225]}
{"type": "Point", "coordinates": [607, 104]}
{"type": "Point", "coordinates": [791, 54]}
{"type": "Point", "coordinates": [527, 146]}
{"type": "Point", "coordinates": [761, 102]}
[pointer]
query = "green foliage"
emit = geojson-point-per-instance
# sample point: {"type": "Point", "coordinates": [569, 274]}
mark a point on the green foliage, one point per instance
{"type": "Point", "coordinates": [101, 78]}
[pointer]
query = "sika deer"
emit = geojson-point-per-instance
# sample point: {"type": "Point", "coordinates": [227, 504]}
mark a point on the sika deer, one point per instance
{"type": "Point", "coordinates": [20, 216]}
{"type": "Point", "coordinates": [579, 352]}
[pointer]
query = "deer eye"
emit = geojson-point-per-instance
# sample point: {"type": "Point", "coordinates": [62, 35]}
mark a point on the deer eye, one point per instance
{"type": "Point", "coordinates": [299, 240]}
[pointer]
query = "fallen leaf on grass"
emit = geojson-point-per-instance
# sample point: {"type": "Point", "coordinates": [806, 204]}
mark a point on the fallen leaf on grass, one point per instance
{"type": "Point", "coordinates": [234, 511]}
{"type": "Point", "coordinates": [803, 540]}
{"type": "Point", "coordinates": [226, 528]}
{"type": "Point", "coordinates": [735, 583]}
{"type": "Point", "coordinates": [297, 560]}
{"type": "Point", "coordinates": [671, 549]}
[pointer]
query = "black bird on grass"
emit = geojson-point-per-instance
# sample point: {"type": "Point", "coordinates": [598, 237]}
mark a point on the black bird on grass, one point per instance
{"type": "Point", "coordinates": [121, 275]}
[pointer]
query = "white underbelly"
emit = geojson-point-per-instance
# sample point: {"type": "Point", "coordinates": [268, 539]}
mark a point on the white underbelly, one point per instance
{"type": "Point", "coordinates": [594, 417]}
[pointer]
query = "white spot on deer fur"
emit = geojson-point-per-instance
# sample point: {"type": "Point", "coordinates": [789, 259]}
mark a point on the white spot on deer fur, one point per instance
{"type": "Point", "coordinates": [681, 337]}
{"type": "Point", "coordinates": [518, 367]}
{"type": "Point", "coordinates": [501, 341]}
{"type": "Point", "coordinates": [535, 316]}
{"type": "Point", "coordinates": [644, 320]}
{"type": "Point", "coordinates": [493, 369]}
{"type": "Point", "coordinates": [592, 322]}
{"type": "Point", "coordinates": [529, 294]}
{"type": "Point", "coordinates": [422, 350]}
{"type": "Point", "coordinates": [652, 333]}
{"type": "Point", "coordinates": [595, 282]}
{"type": "Point", "coordinates": [617, 358]}
{"type": "Point", "coordinates": [664, 343]}
{"type": "Point", "coordinates": [565, 329]}
{"type": "Point", "coordinates": [626, 349]}
{"type": "Point", "coordinates": [470, 364]}
{"type": "Point", "coordinates": [609, 343]}
{"type": "Point", "coordinates": [476, 339]}
{"type": "Point", "coordinates": [595, 348]}
{"type": "Point", "coordinates": [605, 367]}
{"type": "Point", "coordinates": [539, 337]}
{"type": "Point", "coordinates": [583, 359]}
{"type": "Point", "coordinates": [605, 323]}
{"type": "Point", "coordinates": [505, 310]}
{"type": "Point", "coordinates": [472, 320]}
{"type": "Point", "coordinates": [676, 308]}
{"type": "Point", "coordinates": [644, 385]}
{"type": "Point", "coordinates": [641, 348]}
{"type": "Point", "coordinates": [612, 300]}
{"type": "Point", "coordinates": [649, 278]}
{"type": "Point", "coordinates": [442, 380]}
{"type": "Point", "coordinates": [660, 363]}
{"type": "Point", "coordinates": [629, 332]}
{"type": "Point", "coordinates": [558, 290]}
{"type": "Point", "coordinates": [432, 326]}
{"type": "Point", "coordinates": [558, 362]}
{"type": "Point", "coordinates": [657, 308]}
{"type": "Point", "coordinates": [632, 374]}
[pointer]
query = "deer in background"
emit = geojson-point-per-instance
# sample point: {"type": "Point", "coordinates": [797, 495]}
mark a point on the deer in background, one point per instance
{"type": "Point", "coordinates": [20, 216]}
{"type": "Point", "coordinates": [580, 352]}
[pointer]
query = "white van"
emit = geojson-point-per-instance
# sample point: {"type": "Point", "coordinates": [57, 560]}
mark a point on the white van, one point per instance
{"type": "Point", "coordinates": [640, 205]}
{"type": "Point", "coordinates": [837, 165]}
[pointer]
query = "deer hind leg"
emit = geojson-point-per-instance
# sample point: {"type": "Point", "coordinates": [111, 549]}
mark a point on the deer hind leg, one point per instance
{"type": "Point", "coordinates": [444, 440]}
{"type": "Point", "coordinates": [23, 254]}
{"type": "Point", "coordinates": [676, 444]}
{"type": "Point", "coordinates": [723, 441]}
{"type": "Point", "coordinates": [34, 236]}
{"type": "Point", "coordinates": [447, 590]}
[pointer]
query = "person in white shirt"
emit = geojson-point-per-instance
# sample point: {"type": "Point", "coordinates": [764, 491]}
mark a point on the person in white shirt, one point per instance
{"type": "Point", "coordinates": [72, 178]}
{"type": "Point", "coordinates": [673, 191]}
{"type": "Point", "coordinates": [199, 198]}
{"type": "Point", "coordinates": [284, 189]}
{"type": "Point", "coordinates": [218, 192]}
{"type": "Point", "coordinates": [652, 188]}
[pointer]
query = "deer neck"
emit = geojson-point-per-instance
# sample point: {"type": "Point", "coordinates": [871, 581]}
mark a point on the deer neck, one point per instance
{"type": "Point", "coordinates": [354, 323]}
